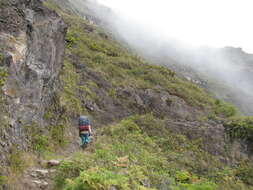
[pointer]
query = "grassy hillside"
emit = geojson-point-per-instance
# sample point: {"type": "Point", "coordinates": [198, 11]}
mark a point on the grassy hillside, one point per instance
{"type": "Point", "coordinates": [130, 102]}
{"type": "Point", "coordinates": [134, 155]}
{"type": "Point", "coordinates": [90, 48]}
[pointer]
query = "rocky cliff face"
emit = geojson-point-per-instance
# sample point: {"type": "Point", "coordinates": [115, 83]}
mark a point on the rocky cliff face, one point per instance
{"type": "Point", "coordinates": [32, 49]}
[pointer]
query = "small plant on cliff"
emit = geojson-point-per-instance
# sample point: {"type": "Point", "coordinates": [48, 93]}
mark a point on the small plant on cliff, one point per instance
{"type": "Point", "coordinates": [225, 109]}
{"type": "Point", "coordinates": [1, 57]}
{"type": "Point", "coordinates": [183, 176]}
{"type": "Point", "coordinates": [245, 172]}
{"type": "Point", "coordinates": [3, 76]}
{"type": "Point", "coordinates": [17, 164]}
{"type": "Point", "coordinates": [42, 143]}
{"type": "Point", "coordinates": [2, 180]}
{"type": "Point", "coordinates": [240, 127]}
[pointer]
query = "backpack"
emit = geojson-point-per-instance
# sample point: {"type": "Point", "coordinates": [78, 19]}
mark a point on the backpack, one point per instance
{"type": "Point", "coordinates": [83, 121]}
{"type": "Point", "coordinates": [84, 128]}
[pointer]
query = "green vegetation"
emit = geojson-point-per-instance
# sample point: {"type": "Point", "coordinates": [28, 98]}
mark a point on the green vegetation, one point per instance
{"type": "Point", "coordinates": [51, 5]}
{"type": "Point", "coordinates": [245, 172]}
{"type": "Point", "coordinates": [16, 163]}
{"type": "Point", "coordinates": [225, 109]}
{"type": "Point", "coordinates": [69, 98]}
{"type": "Point", "coordinates": [1, 57]}
{"type": "Point", "coordinates": [240, 127]}
{"type": "Point", "coordinates": [123, 70]}
{"type": "Point", "coordinates": [139, 152]}
{"type": "Point", "coordinates": [39, 142]}
{"type": "Point", "coordinates": [91, 48]}
{"type": "Point", "coordinates": [3, 76]}
{"type": "Point", "coordinates": [96, 179]}
{"type": "Point", "coordinates": [129, 155]}
{"type": "Point", "coordinates": [2, 180]}
{"type": "Point", "coordinates": [42, 143]}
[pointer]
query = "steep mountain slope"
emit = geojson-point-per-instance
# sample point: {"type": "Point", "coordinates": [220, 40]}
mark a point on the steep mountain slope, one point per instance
{"type": "Point", "coordinates": [171, 136]}
{"type": "Point", "coordinates": [154, 130]}
{"type": "Point", "coordinates": [225, 73]}
{"type": "Point", "coordinates": [231, 83]}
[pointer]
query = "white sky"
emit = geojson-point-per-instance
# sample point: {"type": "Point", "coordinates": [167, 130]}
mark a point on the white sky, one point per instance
{"type": "Point", "coordinates": [215, 23]}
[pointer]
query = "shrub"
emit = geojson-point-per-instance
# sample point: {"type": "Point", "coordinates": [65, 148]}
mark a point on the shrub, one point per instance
{"type": "Point", "coordinates": [183, 177]}
{"type": "Point", "coordinates": [40, 143]}
{"type": "Point", "coordinates": [188, 182]}
{"type": "Point", "coordinates": [224, 109]}
{"type": "Point", "coordinates": [138, 155]}
{"type": "Point", "coordinates": [51, 5]}
{"type": "Point", "coordinates": [3, 76]}
{"type": "Point", "coordinates": [240, 127]}
{"type": "Point", "coordinates": [97, 178]}
{"type": "Point", "coordinates": [68, 98]}
{"type": "Point", "coordinates": [68, 169]}
{"type": "Point", "coordinates": [206, 185]}
{"type": "Point", "coordinates": [1, 57]}
{"type": "Point", "coordinates": [70, 39]}
{"type": "Point", "coordinates": [57, 134]}
{"type": "Point", "coordinates": [245, 172]}
{"type": "Point", "coordinates": [17, 164]}
{"type": "Point", "coordinates": [46, 139]}
{"type": "Point", "coordinates": [2, 180]}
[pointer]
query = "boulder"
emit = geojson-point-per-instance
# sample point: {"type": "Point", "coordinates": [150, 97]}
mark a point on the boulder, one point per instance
{"type": "Point", "coordinates": [52, 163]}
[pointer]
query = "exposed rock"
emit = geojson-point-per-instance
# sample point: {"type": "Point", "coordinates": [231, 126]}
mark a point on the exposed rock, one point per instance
{"type": "Point", "coordinates": [113, 188]}
{"type": "Point", "coordinates": [146, 183]}
{"type": "Point", "coordinates": [40, 184]}
{"type": "Point", "coordinates": [33, 56]}
{"type": "Point", "coordinates": [52, 163]}
{"type": "Point", "coordinates": [41, 172]}
{"type": "Point", "coordinates": [36, 179]}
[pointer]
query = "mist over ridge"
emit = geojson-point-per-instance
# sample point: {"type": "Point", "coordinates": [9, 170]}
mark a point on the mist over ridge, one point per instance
{"type": "Point", "coordinates": [226, 72]}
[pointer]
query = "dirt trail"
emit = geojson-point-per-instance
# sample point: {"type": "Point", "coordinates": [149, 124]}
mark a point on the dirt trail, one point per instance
{"type": "Point", "coordinates": [41, 176]}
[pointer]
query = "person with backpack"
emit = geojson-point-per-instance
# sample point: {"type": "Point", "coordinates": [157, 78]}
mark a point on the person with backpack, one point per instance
{"type": "Point", "coordinates": [84, 130]}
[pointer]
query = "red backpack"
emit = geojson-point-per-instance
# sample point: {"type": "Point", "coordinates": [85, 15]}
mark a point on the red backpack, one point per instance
{"type": "Point", "coordinates": [84, 128]}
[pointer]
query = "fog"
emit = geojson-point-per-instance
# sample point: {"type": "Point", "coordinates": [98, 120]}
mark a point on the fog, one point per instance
{"type": "Point", "coordinates": [188, 37]}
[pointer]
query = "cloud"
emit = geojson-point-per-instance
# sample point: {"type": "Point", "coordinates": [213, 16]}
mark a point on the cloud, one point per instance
{"type": "Point", "coordinates": [215, 23]}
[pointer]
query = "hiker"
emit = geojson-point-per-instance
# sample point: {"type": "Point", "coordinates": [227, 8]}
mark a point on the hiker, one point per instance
{"type": "Point", "coordinates": [84, 130]}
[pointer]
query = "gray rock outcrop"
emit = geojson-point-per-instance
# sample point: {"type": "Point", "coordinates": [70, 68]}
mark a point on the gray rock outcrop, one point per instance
{"type": "Point", "coordinates": [32, 48]}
